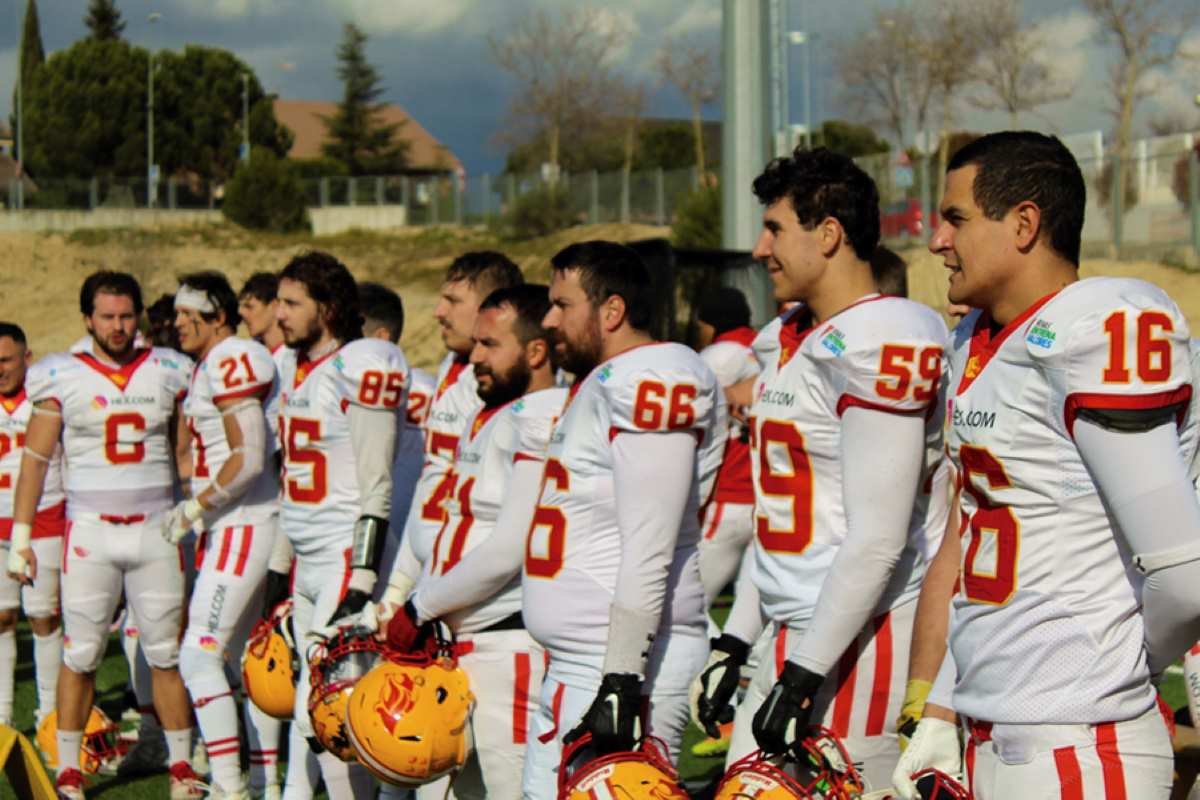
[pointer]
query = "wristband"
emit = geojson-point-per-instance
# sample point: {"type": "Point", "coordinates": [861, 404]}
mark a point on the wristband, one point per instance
{"type": "Point", "coordinates": [22, 535]}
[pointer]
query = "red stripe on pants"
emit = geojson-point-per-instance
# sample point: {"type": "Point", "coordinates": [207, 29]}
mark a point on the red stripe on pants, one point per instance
{"type": "Point", "coordinates": [66, 547]}
{"type": "Point", "coordinates": [1070, 779]}
{"type": "Point", "coordinates": [555, 711]}
{"type": "Point", "coordinates": [970, 761]}
{"type": "Point", "coordinates": [780, 651]}
{"type": "Point", "coordinates": [244, 550]}
{"type": "Point", "coordinates": [201, 546]}
{"type": "Point", "coordinates": [345, 578]}
{"type": "Point", "coordinates": [881, 689]}
{"type": "Point", "coordinates": [712, 528]}
{"type": "Point", "coordinates": [226, 544]}
{"type": "Point", "coordinates": [520, 697]}
{"type": "Point", "coordinates": [1110, 761]}
{"type": "Point", "coordinates": [843, 702]}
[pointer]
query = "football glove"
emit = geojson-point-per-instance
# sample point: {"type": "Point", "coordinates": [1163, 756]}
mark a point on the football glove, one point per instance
{"type": "Point", "coordinates": [915, 692]}
{"type": "Point", "coordinates": [614, 718]}
{"type": "Point", "coordinates": [782, 719]}
{"type": "Point", "coordinates": [711, 693]}
{"type": "Point", "coordinates": [933, 745]}
{"type": "Point", "coordinates": [404, 633]}
{"type": "Point", "coordinates": [358, 594]}
{"type": "Point", "coordinates": [182, 519]}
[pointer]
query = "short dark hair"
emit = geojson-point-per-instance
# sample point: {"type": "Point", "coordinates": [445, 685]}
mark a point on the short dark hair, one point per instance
{"type": "Point", "coordinates": [382, 308]}
{"type": "Point", "coordinates": [1015, 166]}
{"type": "Point", "coordinates": [109, 282]}
{"type": "Point", "coordinates": [530, 301]}
{"type": "Point", "coordinates": [160, 321]}
{"type": "Point", "coordinates": [485, 270]}
{"type": "Point", "coordinates": [724, 308]}
{"type": "Point", "coordinates": [261, 285]}
{"type": "Point", "coordinates": [219, 292]}
{"type": "Point", "coordinates": [13, 331]}
{"type": "Point", "coordinates": [607, 269]}
{"type": "Point", "coordinates": [821, 184]}
{"type": "Point", "coordinates": [889, 271]}
{"type": "Point", "coordinates": [331, 285]}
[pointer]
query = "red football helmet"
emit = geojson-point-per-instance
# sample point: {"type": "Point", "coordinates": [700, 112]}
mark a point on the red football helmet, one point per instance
{"type": "Point", "coordinates": [642, 774]}
{"type": "Point", "coordinates": [334, 667]}
{"type": "Point", "coordinates": [935, 785]}
{"type": "Point", "coordinates": [823, 771]}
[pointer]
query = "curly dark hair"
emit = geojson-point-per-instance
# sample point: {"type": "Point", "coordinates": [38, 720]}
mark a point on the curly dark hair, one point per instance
{"type": "Point", "coordinates": [822, 184]}
{"type": "Point", "coordinates": [109, 282]}
{"type": "Point", "coordinates": [332, 286]}
{"type": "Point", "coordinates": [219, 292]}
{"type": "Point", "coordinates": [1015, 166]}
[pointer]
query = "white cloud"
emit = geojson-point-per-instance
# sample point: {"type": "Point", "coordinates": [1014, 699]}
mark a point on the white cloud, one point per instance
{"type": "Point", "coordinates": [700, 18]}
{"type": "Point", "coordinates": [232, 9]}
{"type": "Point", "coordinates": [1174, 89]}
{"type": "Point", "coordinates": [402, 17]}
{"type": "Point", "coordinates": [1068, 39]}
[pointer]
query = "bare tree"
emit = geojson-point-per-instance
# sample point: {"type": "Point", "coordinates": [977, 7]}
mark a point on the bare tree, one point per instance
{"type": "Point", "coordinates": [1012, 68]}
{"type": "Point", "coordinates": [950, 52]}
{"type": "Point", "coordinates": [691, 68]}
{"type": "Point", "coordinates": [562, 64]}
{"type": "Point", "coordinates": [886, 76]}
{"type": "Point", "coordinates": [1147, 35]}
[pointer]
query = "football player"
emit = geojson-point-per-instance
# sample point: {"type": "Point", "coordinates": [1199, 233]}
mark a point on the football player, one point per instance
{"type": "Point", "coordinates": [257, 305]}
{"type": "Point", "coordinates": [117, 410]}
{"type": "Point", "coordinates": [341, 397]}
{"type": "Point", "coordinates": [611, 584]}
{"type": "Point", "coordinates": [39, 600]}
{"type": "Point", "coordinates": [234, 501]}
{"type": "Point", "coordinates": [469, 279]}
{"type": "Point", "coordinates": [470, 574]}
{"type": "Point", "coordinates": [846, 447]}
{"type": "Point", "coordinates": [1079, 573]}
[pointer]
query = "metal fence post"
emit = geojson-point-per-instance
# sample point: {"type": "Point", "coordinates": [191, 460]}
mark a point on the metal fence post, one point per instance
{"type": "Point", "coordinates": [925, 189]}
{"type": "Point", "coordinates": [1117, 195]}
{"type": "Point", "coordinates": [352, 190]}
{"type": "Point", "coordinates": [171, 196]}
{"type": "Point", "coordinates": [93, 193]}
{"type": "Point", "coordinates": [323, 192]}
{"type": "Point", "coordinates": [660, 197]}
{"type": "Point", "coordinates": [625, 196]}
{"type": "Point", "coordinates": [486, 183]}
{"type": "Point", "coordinates": [594, 212]}
{"type": "Point", "coordinates": [1193, 159]}
{"type": "Point", "coordinates": [379, 190]}
{"type": "Point", "coordinates": [434, 201]}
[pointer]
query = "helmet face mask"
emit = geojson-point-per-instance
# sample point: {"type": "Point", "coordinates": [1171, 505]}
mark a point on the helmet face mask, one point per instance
{"type": "Point", "coordinates": [271, 666]}
{"type": "Point", "coordinates": [935, 785]}
{"type": "Point", "coordinates": [822, 771]}
{"type": "Point", "coordinates": [100, 744]}
{"type": "Point", "coordinates": [645, 772]}
{"type": "Point", "coordinates": [409, 719]}
{"type": "Point", "coordinates": [335, 667]}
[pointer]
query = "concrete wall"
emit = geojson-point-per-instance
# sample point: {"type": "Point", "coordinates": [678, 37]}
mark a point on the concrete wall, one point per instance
{"type": "Point", "coordinates": [35, 220]}
{"type": "Point", "coordinates": [336, 219]}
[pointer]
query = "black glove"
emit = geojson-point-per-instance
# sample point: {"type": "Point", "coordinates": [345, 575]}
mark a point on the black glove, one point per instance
{"type": "Point", "coordinates": [614, 718]}
{"type": "Point", "coordinates": [783, 717]}
{"type": "Point", "coordinates": [719, 682]}
{"type": "Point", "coordinates": [351, 604]}
{"type": "Point", "coordinates": [275, 592]}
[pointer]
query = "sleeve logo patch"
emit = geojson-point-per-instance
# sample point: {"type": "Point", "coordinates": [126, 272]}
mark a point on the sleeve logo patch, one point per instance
{"type": "Point", "coordinates": [605, 373]}
{"type": "Point", "coordinates": [834, 340]}
{"type": "Point", "coordinates": [1040, 334]}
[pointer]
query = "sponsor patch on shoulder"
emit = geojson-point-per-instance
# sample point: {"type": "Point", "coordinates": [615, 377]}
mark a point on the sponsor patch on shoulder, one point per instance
{"type": "Point", "coordinates": [519, 405]}
{"type": "Point", "coordinates": [833, 340]}
{"type": "Point", "coordinates": [1040, 334]}
{"type": "Point", "coordinates": [605, 373]}
{"type": "Point", "coordinates": [339, 362]}
{"type": "Point", "coordinates": [166, 362]}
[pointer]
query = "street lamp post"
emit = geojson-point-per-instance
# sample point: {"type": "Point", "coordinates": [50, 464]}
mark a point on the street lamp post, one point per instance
{"type": "Point", "coordinates": [151, 172]}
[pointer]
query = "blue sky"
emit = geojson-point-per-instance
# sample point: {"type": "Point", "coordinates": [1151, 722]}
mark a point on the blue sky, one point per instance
{"type": "Point", "coordinates": [434, 59]}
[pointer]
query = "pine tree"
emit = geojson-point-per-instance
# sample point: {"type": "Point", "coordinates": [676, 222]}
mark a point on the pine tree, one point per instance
{"type": "Point", "coordinates": [33, 55]}
{"type": "Point", "coordinates": [104, 20]}
{"type": "Point", "coordinates": [357, 138]}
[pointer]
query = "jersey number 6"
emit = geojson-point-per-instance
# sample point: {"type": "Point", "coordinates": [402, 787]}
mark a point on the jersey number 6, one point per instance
{"type": "Point", "coordinates": [117, 451]}
{"type": "Point", "coordinates": [994, 587]}
{"type": "Point", "coordinates": [553, 521]}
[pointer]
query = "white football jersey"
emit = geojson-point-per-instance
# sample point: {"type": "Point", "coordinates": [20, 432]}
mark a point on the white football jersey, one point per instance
{"type": "Point", "coordinates": [321, 499]}
{"type": "Point", "coordinates": [732, 360]}
{"type": "Point", "coordinates": [881, 353]}
{"type": "Point", "coordinates": [15, 412]}
{"type": "Point", "coordinates": [574, 549]}
{"type": "Point", "coordinates": [421, 389]}
{"type": "Point", "coordinates": [272, 407]}
{"type": "Point", "coordinates": [410, 448]}
{"type": "Point", "coordinates": [490, 445]}
{"type": "Point", "coordinates": [117, 453]}
{"type": "Point", "coordinates": [234, 368]}
{"type": "Point", "coordinates": [453, 402]}
{"type": "Point", "coordinates": [1047, 626]}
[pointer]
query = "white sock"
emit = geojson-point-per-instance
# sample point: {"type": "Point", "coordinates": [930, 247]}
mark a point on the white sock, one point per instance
{"type": "Point", "coordinates": [218, 720]}
{"type": "Point", "coordinates": [263, 733]}
{"type": "Point", "coordinates": [343, 779]}
{"type": "Point", "coordinates": [47, 656]}
{"type": "Point", "coordinates": [8, 666]}
{"type": "Point", "coordinates": [179, 745]}
{"type": "Point", "coordinates": [68, 743]}
{"type": "Point", "coordinates": [303, 771]}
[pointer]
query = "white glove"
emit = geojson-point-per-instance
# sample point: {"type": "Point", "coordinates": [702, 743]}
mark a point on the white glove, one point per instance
{"type": "Point", "coordinates": [182, 519]}
{"type": "Point", "coordinates": [18, 566]}
{"type": "Point", "coordinates": [933, 745]}
{"type": "Point", "coordinates": [382, 612]}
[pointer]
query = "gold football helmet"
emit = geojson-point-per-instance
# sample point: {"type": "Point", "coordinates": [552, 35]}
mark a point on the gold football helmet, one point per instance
{"type": "Point", "coordinates": [270, 665]}
{"type": "Point", "coordinates": [408, 719]}
{"type": "Point", "coordinates": [334, 667]}
{"type": "Point", "coordinates": [642, 774]}
{"type": "Point", "coordinates": [99, 741]}
{"type": "Point", "coordinates": [822, 771]}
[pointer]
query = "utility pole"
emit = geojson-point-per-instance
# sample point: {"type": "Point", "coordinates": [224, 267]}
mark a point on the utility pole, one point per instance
{"type": "Point", "coordinates": [743, 143]}
{"type": "Point", "coordinates": [19, 195]}
{"type": "Point", "coordinates": [245, 117]}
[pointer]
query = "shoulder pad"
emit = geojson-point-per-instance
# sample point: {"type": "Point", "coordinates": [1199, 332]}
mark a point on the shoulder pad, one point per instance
{"type": "Point", "coordinates": [42, 379]}
{"type": "Point", "coordinates": [239, 368]}
{"type": "Point", "coordinates": [662, 387]}
{"type": "Point", "coordinates": [372, 373]}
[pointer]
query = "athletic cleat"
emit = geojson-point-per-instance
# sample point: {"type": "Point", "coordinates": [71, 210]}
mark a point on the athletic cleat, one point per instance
{"type": "Point", "coordinates": [69, 785]}
{"type": "Point", "coordinates": [185, 783]}
{"type": "Point", "coordinates": [146, 754]}
{"type": "Point", "coordinates": [710, 747]}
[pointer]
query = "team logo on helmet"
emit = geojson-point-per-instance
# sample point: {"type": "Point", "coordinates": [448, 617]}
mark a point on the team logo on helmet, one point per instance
{"type": "Point", "coordinates": [398, 699]}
